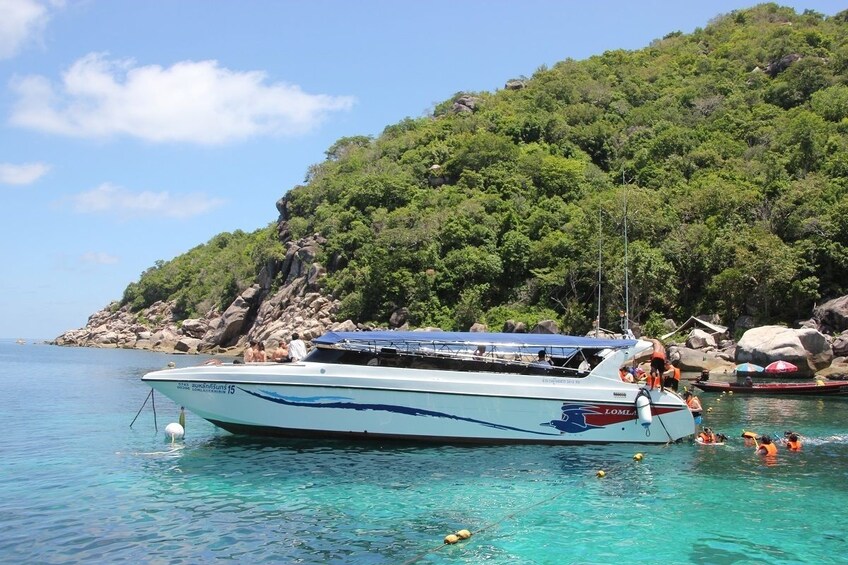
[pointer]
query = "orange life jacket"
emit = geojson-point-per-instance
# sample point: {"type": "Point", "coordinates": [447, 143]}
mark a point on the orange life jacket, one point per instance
{"type": "Point", "coordinates": [794, 445]}
{"type": "Point", "coordinates": [707, 438]}
{"type": "Point", "coordinates": [771, 449]}
{"type": "Point", "coordinates": [676, 374]}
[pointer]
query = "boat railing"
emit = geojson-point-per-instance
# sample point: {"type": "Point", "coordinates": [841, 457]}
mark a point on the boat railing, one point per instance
{"type": "Point", "coordinates": [443, 358]}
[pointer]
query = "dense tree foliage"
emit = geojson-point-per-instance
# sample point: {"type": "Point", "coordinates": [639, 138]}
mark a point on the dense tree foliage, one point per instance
{"type": "Point", "coordinates": [723, 152]}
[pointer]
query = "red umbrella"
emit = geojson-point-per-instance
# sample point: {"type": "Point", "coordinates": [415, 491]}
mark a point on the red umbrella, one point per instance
{"type": "Point", "coordinates": [781, 367]}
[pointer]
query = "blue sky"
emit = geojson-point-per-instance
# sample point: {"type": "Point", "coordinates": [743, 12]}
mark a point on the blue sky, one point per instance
{"type": "Point", "coordinates": [133, 131]}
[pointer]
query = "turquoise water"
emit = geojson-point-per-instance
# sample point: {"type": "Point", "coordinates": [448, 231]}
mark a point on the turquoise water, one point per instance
{"type": "Point", "coordinates": [78, 485]}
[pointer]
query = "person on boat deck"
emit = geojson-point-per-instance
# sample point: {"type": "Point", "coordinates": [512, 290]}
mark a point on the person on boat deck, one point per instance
{"type": "Point", "coordinates": [672, 378]}
{"type": "Point", "coordinates": [694, 405]}
{"type": "Point", "coordinates": [297, 349]}
{"type": "Point", "coordinates": [625, 375]}
{"type": "Point", "coordinates": [542, 360]}
{"type": "Point", "coordinates": [792, 441]}
{"type": "Point", "coordinates": [280, 353]}
{"type": "Point", "coordinates": [259, 355]}
{"type": "Point", "coordinates": [248, 352]}
{"type": "Point", "coordinates": [480, 351]}
{"type": "Point", "coordinates": [657, 363]}
{"type": "Point", "coordinates": [766, 447]}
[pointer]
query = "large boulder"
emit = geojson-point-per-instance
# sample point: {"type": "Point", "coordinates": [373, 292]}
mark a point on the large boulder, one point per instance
{"type": "Point", "coordinates": [699, 339]}
{"type": "Point", "coordinates": [832, 316]}
{"type": "Point", "coordinates": [545, 327]}
{"type": "Point", "coordinates": [840, 345]}
{"type": "Point", "coordinates": [696, 360]}
{"type": "Point", "coordinates": [806, 348]}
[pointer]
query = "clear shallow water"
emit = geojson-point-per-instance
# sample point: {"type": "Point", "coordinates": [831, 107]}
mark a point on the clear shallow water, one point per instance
{"type": "Point", "coordinates": [77, 485]}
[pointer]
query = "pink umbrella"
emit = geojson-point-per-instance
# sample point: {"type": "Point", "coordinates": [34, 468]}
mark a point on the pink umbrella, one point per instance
{"type": "Point", "coordinates": [781, 367]}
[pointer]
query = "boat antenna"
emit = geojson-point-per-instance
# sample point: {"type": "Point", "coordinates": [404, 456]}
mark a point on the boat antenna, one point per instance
{"type": "Point", "coordinates": [600, 236]}
{"type": "Point", "coordinates": [626, 323]}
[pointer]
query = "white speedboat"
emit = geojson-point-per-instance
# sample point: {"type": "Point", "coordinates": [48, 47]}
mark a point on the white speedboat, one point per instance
{"type": "Point", "coordinates": [438, 387]}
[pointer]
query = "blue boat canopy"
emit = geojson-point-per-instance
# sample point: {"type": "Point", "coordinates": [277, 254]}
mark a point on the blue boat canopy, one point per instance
{"type": "Point", "coordinates": [473, 338]}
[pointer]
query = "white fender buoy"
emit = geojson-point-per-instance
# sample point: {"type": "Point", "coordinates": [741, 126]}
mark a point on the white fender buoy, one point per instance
{"type": "Point", "coordinates": [643, 410]}
{"type": "Point", "coordinates": [174, 430]}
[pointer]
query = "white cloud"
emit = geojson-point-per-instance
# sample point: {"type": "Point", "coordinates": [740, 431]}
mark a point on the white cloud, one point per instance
{"type": "Point", "coordinates": [120, 202]}
{"type": "Point", "coordinates": [197, 102]}
{"type": "Point", "coordinates": [98, 258]}
{"type": "Point", "coordinates": [20, 21]}
{"type": "Point", "coordinates": [22, 174]}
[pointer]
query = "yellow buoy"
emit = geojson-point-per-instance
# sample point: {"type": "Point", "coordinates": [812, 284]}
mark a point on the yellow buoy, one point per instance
{"type": "Point", "coordinates": [638, 457]}
{"type": "Point", "coordinates": [602, 474]}
{"type": "Point", "coordinates": [463, 534]}
{"type": "Point", "coordinates": [710, 409]}
{"type": "Point", "coordinates": [730, 392]}
{"type": "Point", "coordinates": [451, 539]}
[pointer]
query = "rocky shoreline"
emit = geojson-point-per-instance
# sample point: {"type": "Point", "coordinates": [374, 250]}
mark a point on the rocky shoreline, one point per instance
{"type": "Point", "coordinates": [258, 313]}
{"type": "Point", "coordinates": [819, 346]}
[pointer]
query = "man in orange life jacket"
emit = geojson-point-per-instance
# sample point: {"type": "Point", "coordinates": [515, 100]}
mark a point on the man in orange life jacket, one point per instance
{"type": "Point", "coordinates": [657, 364]}
{"type": "Point", "coordinates": [792, 441]}
{"type": "Point", "coordinates": [707, 436]}
{"type": "Point", "coordinates": [672, 379]}
{"type": "Point", "coordinates": [767, 447]}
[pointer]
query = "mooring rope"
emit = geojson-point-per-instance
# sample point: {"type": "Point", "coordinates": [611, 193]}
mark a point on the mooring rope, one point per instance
{"type": "Point", "coordinates": [153, 399]}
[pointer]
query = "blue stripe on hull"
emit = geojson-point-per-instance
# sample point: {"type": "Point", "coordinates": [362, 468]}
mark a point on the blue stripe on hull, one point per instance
{"type": "Point", "coordinates": [345, 403]}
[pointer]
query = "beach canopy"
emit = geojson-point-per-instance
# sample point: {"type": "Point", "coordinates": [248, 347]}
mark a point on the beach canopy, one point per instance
{"type": "Point", "coordinates": [748, 368]}
{"type": "Point", "coordinates": [388, 337]}
{"type": "Point", "coordinates": [781, 367]}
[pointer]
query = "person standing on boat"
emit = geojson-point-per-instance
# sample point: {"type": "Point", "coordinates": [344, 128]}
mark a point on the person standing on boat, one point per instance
{"type": "Point", "coordinates": [657, 363]}
{"type": "Point", "coordinates": [672, 379]}
{"type": "Point", "coordinates": [297, 349]}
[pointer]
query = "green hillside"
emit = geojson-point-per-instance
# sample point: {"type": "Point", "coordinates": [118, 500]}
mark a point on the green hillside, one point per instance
{"type": "Point", "coordinates": [728, 147]}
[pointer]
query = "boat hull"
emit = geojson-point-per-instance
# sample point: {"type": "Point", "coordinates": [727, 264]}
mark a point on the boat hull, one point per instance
{"type": "Point", "coordinates": [787, 389]}
{"type": "Point", "coordinates": [310, 400]}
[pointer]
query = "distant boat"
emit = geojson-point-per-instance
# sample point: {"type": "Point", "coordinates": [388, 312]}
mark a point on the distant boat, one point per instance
{"type": "Point", "coordinates": [20, 342]}
{"type": "Point", "coordinates": [821, 388]}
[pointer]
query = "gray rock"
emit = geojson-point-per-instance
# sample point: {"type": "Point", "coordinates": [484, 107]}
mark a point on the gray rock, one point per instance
{"type": "Point", "coordinates": [832, 316]}
{"type": "Point", "coordinates": [805, 348]}
{"type": "Point", "coordinates": [840, 345]}
{"type": "Point", "coordinates": [699, 339]}
{"type": "Point", "coordinates": [194, 327]}
{"type": "Point", "coordinates": [545, 327]}
{"type": "Point", "coordinates": [187, 345]}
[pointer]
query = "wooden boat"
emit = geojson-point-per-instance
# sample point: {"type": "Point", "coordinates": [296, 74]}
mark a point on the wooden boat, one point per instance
{"type": "Point", "coordinates": [814, 388]}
